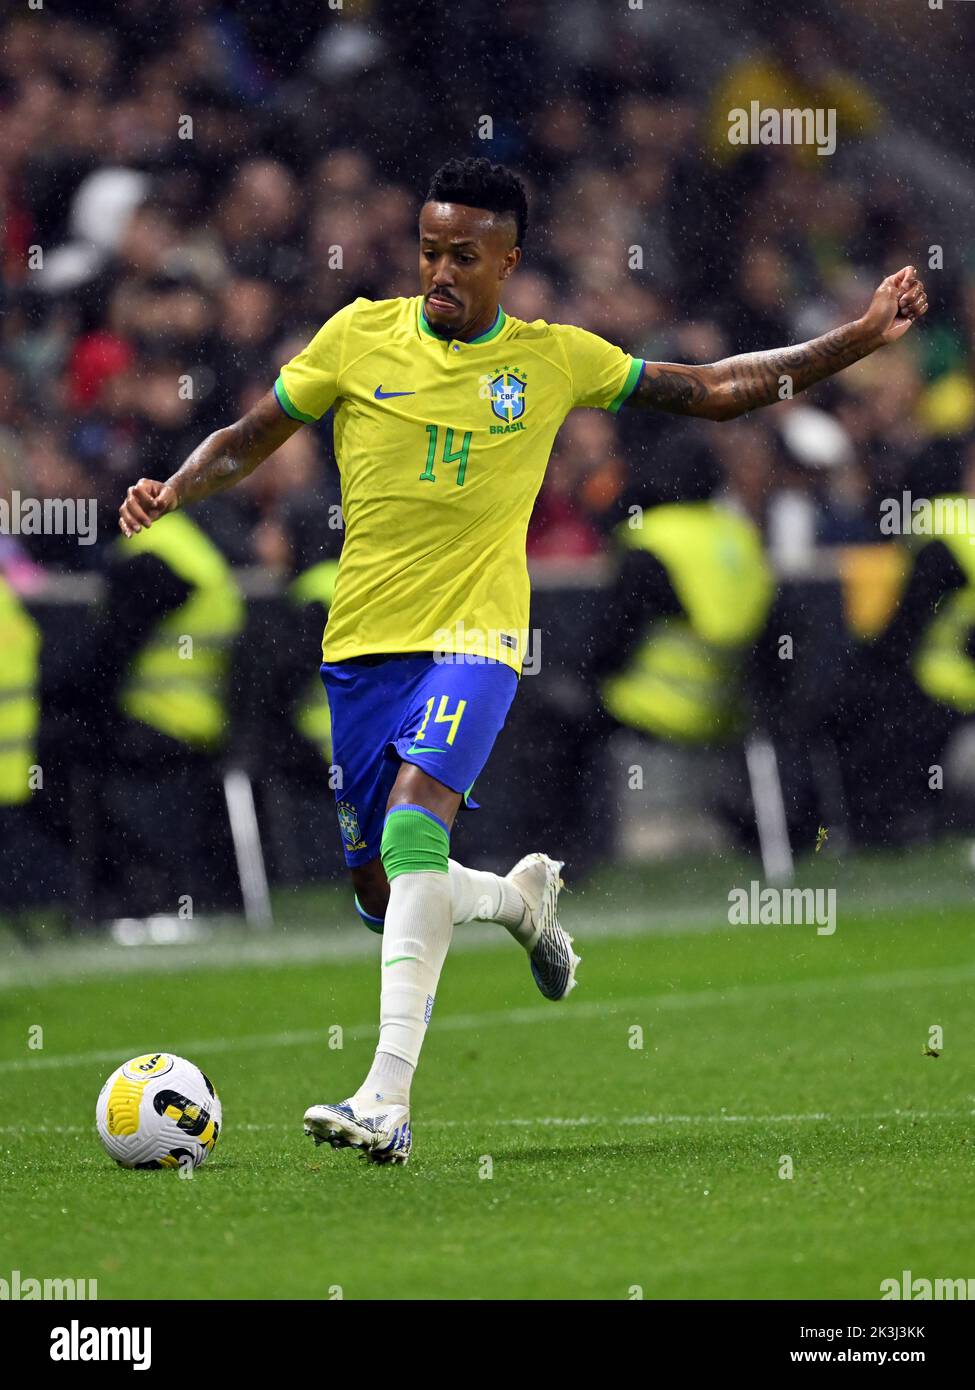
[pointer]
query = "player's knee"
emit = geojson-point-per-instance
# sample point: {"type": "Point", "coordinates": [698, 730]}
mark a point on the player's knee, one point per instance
{"type": "Point", "coordinates": [414, 841]}
{"type": "Point", "coordinates": [414, 787]}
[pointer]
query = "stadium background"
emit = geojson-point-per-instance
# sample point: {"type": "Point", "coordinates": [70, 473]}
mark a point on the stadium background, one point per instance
{"type": "Point", "coordinates": [639, 1135]}
{"type": "Point", "coordinates": [213, 258]}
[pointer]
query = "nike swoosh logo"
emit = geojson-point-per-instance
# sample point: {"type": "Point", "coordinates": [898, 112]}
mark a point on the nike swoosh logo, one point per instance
{"type": "Point", "coordinates": [425, 749]}
{"type": "Point", "coordinates": [382, 395]}
{"type": "Point", "coordinates": [396, 959]}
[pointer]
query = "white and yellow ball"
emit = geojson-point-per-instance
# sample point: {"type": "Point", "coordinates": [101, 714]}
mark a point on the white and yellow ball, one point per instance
{"type": "Point", "coordinates": [158, 1111]}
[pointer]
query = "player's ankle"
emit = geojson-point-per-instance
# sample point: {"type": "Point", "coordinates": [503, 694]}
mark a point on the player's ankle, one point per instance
{"type": "Point", "coordinates": [389, 1080]}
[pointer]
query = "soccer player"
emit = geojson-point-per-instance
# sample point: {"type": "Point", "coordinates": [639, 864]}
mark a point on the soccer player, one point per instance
{"type": "Point", "coordinates": [445, 411]}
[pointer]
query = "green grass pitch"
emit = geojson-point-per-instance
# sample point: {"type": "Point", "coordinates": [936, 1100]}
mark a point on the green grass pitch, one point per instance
{"type": "Point", "coordinates": [613, 1167]}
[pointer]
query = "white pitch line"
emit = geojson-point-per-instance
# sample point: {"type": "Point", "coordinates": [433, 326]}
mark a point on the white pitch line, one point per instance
{"type": "Point", "coordinates": [588, 1121]}
{"type": "Point", "coordinates": [589, 920]}
{"type": "Point", "coordinates": [577, 1011]}
{"type": "Point", "coordinates": [641, 1121]}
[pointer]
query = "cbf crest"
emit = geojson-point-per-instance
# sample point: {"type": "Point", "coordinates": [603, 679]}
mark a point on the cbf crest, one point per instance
{"type": "Point", "coordinates": [349, 826]}
{"type": "Point", "coordinates": [507, 395]}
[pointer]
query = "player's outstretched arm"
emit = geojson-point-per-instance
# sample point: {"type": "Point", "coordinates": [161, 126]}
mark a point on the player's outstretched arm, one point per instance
{"type": "Point", "coordinates": [224, 458]}
{"type": "Point", "coordinates": [722, 390]}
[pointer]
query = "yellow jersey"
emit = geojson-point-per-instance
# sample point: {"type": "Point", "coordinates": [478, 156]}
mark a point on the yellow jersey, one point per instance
{"type": "Point", "coordinates": [441, 446]}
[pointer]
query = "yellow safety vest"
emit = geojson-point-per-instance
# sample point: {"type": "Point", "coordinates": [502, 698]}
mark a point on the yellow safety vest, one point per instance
{"type": "Point", "coordinates": [941, 664]}
{"type": "Point", "coordinates": [20, 707]}
{"type": "Point", "coordinates": [176, 685]}
{"type": "Point", "coordinates": [311, 716]}
{"type": "Point", "coordinates": [683, 682]}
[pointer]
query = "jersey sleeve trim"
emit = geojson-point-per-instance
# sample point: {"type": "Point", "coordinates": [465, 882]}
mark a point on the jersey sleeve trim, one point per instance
{"type": "Point", "coordinates": [629, 385]}
{"type": "Point", "coordinates": [289, 407]}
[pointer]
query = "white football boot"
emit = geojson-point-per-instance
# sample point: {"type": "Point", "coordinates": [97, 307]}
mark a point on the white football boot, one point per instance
{"type": "Point", "coordinates": [381, 1130]}
{"type": "Point", "coordinates": [553, 962]}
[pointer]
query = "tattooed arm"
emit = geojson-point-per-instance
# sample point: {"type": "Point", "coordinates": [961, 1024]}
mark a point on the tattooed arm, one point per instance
{"type": "Point", "coordinates": [722, 390]}
{"type": "Point", "coordinates": [224, 458]}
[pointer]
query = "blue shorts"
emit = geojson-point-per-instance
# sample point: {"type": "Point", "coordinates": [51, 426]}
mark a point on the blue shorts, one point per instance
{"type": "Point", "coordinates": [440, 715]}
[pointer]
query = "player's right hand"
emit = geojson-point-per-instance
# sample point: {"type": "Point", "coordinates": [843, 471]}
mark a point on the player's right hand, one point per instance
{"type": "Point", "coordinates": [145, 503]}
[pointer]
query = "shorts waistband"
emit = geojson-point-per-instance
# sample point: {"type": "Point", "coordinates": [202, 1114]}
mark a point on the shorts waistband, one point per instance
{"type": "Point", "coordinates": [378, 659]}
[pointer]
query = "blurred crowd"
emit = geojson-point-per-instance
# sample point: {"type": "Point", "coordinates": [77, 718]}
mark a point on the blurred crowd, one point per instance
{"type": "Point", "coordinates": [188, 190]}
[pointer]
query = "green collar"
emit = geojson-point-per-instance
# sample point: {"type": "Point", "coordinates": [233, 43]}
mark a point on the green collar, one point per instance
{"type": "Point", "coordinates": [492, 332]}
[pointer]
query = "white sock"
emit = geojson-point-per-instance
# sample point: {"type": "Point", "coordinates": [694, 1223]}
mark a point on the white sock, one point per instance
{"type": "Point", "coordinates": [479, 896]}
{"type": "Point", "coordinates": [416, 935]}
{"type": "Point", "coordinates": [389, 1079]}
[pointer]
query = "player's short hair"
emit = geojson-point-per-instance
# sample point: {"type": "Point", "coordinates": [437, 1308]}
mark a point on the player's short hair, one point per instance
{"type": "Point", "coordinates": [477, 183]}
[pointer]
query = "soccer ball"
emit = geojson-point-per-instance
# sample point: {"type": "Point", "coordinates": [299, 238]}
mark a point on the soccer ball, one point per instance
{"type": "Point", "coordinates": [158, 1111]}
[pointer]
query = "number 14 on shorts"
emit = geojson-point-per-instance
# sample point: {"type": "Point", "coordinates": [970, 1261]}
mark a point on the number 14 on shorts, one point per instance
{"type": "Point", "coordinates": [442, 716]}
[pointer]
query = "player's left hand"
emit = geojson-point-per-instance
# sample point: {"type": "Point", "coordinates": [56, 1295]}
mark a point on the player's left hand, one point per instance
{"type": "Point", "coordinates": [899, 301]}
